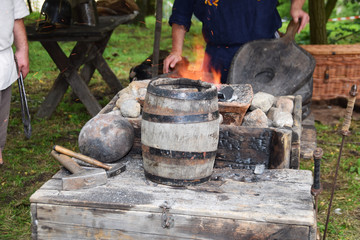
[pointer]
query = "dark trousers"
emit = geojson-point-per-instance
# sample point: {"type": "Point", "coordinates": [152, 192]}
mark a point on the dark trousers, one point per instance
{"type": "Point", "coordinates": [5, 98]}
{"type": "Point", "coordinates": [219, 58]}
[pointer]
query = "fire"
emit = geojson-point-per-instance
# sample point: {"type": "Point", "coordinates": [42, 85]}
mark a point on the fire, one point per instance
{"type": "Point", "coordinates": [195, 69]}
{"type": "Point", "coordinates": [216, 76]}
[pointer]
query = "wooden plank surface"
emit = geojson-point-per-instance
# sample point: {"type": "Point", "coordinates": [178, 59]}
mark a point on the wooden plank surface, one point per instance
{"type": "Point", "coordinates": [57, 221]}
{"type": "Point", "coordinates": [332, 49]}
{"type": "Point", "coordinates": [79, 33]}
{"type": "Point", "coordinates": [277, 196]}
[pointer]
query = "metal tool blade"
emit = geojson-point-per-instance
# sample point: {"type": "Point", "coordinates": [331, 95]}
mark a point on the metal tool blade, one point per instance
{"type": "Point", "coordinates": [77, 181]}
{"type": "Point", "coordinates": [24, 108]}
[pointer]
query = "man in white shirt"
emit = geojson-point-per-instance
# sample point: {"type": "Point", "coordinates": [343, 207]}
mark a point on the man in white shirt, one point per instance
{"type": "Point", "coordinates": [12, 31]}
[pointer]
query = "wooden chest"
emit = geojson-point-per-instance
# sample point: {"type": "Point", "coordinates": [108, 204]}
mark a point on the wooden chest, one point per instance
{"type": "Point", "coordinates": [235, 204]}
{"type": "Point", "coordinates": [337, 69]}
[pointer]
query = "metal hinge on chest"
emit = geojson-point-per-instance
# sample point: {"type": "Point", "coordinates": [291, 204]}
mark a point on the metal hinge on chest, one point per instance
{"type": "Point", "coordinates": [167, 219]}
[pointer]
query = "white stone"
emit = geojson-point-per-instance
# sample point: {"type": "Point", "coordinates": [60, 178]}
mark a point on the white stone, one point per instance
{"type": "Point", "coordinates": [281, 119]}
{"type": "Point", "coordinates": [255, 119]}
{"type": "Point", "coordinates": [137, 88]}
{"type": "Point", "coordinates": [263, 101]}
{"type": "Point", "coordinates": [124, 97]}
{"type": "Point", "coordinates": [130, 108]}
{"type": "Point", "coordinates": [285, 104]}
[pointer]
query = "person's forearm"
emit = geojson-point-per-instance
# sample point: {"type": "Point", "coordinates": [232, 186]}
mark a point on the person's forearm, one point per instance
{"type": "Point", "coordinates": [298, 13]}
{"type": "Point", "coordinates": [178, 36]}
{"type": "Point", "coordinates": [21, 45]}
{"type": "Point", "coordinates": [297, 4]}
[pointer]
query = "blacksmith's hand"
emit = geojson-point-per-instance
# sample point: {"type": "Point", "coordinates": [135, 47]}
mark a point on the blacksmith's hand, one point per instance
{"type": "Point", "coordinates": [298, 14]}
{"type": "Point", "coordinates": [170, 62]}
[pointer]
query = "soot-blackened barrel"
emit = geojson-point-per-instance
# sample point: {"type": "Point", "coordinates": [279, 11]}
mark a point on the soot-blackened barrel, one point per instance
{"type": "Point", "coordinates": [179, 131]}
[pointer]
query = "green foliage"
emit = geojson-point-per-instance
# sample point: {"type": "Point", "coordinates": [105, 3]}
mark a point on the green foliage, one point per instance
{"type": "Point", "coordinates": [347, 8]}
{"type": "Point", "coordinates": [344, 32]}
{"type": "Point", "coordinates": [356, 167]}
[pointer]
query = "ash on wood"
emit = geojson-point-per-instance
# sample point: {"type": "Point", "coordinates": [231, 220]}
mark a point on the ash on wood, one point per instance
{"type": "Point", "coordinates": [236, 204]}
{"type": "Point", "coordinates": [244, 148]}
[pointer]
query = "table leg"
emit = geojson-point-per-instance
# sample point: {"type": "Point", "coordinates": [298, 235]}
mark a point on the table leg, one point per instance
{"type": "Point", "coordinates": [68, 68]}
{"type": "Point", "coordinates": [53, 98]}
{"type": "Point", "coordinates": [96, 61]}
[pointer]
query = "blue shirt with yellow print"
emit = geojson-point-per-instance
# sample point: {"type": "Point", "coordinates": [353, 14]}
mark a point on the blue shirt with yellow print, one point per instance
{"type": "Point", "coordinates": [227, 24]}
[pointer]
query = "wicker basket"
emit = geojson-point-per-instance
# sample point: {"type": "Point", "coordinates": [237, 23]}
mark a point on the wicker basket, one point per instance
{"type": "Point", "coordinates": [337, 69]}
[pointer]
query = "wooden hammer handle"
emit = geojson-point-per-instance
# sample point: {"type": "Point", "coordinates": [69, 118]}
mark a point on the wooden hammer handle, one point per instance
{"type": "Point", "coordinates": [67, 162]}
{"type": "Point", "coordinates": [80, 156]}
{"type": "Point", "coordinates": [291, 31]}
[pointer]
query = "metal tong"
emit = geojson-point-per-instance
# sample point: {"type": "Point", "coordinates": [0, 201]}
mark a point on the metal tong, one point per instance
{"type": "Point", "coordinates": [24, 108]}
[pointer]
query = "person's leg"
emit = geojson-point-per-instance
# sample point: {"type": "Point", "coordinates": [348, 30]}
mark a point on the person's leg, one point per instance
{"type": "Point", "coordinates": [5, 98]}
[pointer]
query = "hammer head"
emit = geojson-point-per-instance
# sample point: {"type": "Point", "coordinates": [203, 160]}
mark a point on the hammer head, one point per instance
{"type": "Point", "coordinates": [116, 170]}
{"type": "Point", "coordinates": [84, 179]}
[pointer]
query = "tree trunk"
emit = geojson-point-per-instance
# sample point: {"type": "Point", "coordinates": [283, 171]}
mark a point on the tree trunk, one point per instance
{"type": "Point", "coordinates": [317, 22]}
{"type": "Point", "coordinates": [330, 5]}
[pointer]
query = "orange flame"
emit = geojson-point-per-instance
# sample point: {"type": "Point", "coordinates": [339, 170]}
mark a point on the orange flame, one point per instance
{"type": "Point", "coordinates": [216, 76]}
{"type": "Point", "coordinates": [195, 69]}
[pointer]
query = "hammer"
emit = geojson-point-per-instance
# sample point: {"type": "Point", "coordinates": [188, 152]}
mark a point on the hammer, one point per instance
{"type": "Point", "coordinates": [80, 178]}
{"type": "Point", "coordinates": [110, 171]}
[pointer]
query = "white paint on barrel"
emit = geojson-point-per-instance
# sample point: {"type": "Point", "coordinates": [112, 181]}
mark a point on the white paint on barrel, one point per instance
{"type": "Point", "coordinates": [191, 137]}
{"type": "Point", "coordinates": [169, 106]}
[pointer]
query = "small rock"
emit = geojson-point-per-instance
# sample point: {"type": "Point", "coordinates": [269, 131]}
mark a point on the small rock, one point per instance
{"type": "Point", "coordinates": [259, 169]}
{"type": "Point", "coordinates": [263, 101]}
{"type": "Point", "coordinates": [124, 97]}
{"type": "Point", "coordinates": [142, 93]}
{"type": "Point", "coordinates": [337, 211]}
{"type": "Point", "coordinates": [115, 112]}
{"type": "Point", "coordinates": [281, 119]}
{"type": "Point", "coordinates": [136, 87]}
{"type": "Point", "coordinates": [285, 104]}
{"type": "Point", "coordinates": [256, 118]}
{"type": "Point", "coordinates": [270, 113]}
{"type": "Point", "coordinates": [130, 108]}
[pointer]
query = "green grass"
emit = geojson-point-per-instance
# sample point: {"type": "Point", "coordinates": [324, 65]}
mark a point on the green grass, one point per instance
{"type": "Point", "coordinates": [347, 192]}
{"type": "Point", "coordinates": [28, 163]}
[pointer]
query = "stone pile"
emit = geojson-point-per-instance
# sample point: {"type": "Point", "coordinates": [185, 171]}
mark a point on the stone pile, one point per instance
{"type": "Point", "coordinates": [267, 110]}
{"type": "Point", "coordinates": [127, 101]}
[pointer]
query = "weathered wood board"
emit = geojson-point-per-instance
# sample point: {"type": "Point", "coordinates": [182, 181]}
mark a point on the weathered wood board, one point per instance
{"type": "Point", "coordinates": [308, 138]}
{"type": "Point", "coordinates": [244, 148]}
{"type": "Point", "coordinates": [235, 204]}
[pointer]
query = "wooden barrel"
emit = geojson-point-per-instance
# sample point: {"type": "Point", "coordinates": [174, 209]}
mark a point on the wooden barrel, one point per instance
{"type": "Point", "coordinates": [179, 131]}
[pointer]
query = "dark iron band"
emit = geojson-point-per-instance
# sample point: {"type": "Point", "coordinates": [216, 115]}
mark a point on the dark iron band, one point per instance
{"type": "Point", "coordinates": [175, 182]}
{"type": "Point", "coordinates": [180, 154]}
{"type": "Point", "coordinates": [207, 117]}
{"type": "Point", "coordinates": [208, 92]}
